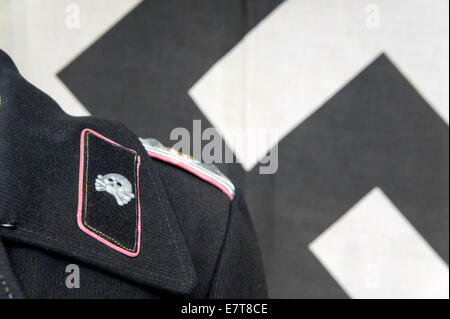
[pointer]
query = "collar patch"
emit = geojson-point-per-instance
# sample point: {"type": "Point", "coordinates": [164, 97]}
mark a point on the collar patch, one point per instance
{"type": "Point", "coordinates": [113, 220]}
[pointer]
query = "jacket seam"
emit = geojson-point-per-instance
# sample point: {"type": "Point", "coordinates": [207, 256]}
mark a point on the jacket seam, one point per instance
{"type": "Point", "coordinates": [222, 246]}
{"type": "Point", "coordinates": [168, 224]}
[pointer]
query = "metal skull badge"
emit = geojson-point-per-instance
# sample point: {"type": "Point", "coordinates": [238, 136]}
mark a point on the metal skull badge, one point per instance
{"type": "Point", "coordinates": [116, 185]}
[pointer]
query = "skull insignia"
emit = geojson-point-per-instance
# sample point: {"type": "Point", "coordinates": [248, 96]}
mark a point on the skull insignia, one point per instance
{"type": "Point", "coordinates": [116, 185]}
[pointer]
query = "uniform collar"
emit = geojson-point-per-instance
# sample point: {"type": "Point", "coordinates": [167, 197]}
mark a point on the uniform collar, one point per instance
{"type": "Point", "coordinates": [39, 175]}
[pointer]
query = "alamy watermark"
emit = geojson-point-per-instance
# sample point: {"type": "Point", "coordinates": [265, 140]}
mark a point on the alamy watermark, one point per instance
{"type": "Point", "coordinates": [373, 16]}
{"type": "Point", "coordinates": [72, 16]}
{"type": "Point", "coordinates": [251, 140]}
{"type": "Point", "coordinates": [73, 277]}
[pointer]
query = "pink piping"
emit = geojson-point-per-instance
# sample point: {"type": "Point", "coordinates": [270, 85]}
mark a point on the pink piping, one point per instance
{"type": "Point", "coordinates": [193, 171]}
{"type": "Point", "coordinates": [80, 197]}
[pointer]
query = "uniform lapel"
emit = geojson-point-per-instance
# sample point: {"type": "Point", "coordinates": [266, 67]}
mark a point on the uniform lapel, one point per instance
{"type": "Point", "coordinates": [40, 155]}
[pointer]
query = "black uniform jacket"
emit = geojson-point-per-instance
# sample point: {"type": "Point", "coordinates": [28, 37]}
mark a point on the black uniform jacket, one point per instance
{"type": "Point", "coordinates": [85, 198]}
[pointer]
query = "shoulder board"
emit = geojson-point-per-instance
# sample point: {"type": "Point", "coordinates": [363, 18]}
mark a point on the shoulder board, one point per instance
{"type": "Point", "coordinates": [207, 172]}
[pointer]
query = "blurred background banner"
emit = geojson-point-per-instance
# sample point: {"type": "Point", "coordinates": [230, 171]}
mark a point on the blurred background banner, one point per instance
{"type": "Point", "coordinates": [357, 93]}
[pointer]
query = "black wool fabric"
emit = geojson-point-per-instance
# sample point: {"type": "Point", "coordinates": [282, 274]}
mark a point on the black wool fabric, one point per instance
{"type": "Point", "coordinates": [194, 241]}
